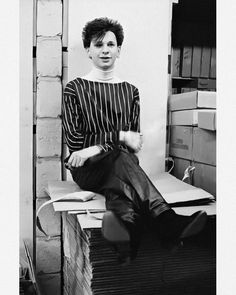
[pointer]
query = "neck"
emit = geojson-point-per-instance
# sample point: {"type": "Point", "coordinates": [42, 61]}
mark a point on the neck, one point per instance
{"type": "Point", "coordinates": [102, 75]}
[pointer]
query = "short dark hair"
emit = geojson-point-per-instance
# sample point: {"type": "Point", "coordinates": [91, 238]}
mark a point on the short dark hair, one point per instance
{"type": "Point", "coordinates": [97, 29]}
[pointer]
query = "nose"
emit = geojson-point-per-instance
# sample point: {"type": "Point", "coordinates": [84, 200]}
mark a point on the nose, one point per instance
{"type": "Point", "coordinates": [105, 49]}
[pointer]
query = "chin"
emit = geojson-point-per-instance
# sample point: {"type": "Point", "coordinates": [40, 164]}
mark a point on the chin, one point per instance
{"type": "Point", "coordinates": [106, 67]}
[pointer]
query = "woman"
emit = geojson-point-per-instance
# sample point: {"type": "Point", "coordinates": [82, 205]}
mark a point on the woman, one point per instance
{"type": "Point", "coordinates": [101, 124]}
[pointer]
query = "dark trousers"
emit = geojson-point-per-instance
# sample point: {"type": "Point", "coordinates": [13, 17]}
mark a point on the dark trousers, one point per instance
{"type": "Point", "coordinates": [127, 189]}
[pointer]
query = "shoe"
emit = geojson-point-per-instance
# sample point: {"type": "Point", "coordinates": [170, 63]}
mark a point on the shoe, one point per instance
{"type": "Point", "coordinates": [113, 230]}
{"type": "Point", "coordinates": [196, 225]}
{"type": "Point", "coordinates": [177, 227]}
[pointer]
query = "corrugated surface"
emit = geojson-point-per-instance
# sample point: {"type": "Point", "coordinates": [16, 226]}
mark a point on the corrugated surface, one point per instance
{"type": "Point", "coordinates": [93, 269]}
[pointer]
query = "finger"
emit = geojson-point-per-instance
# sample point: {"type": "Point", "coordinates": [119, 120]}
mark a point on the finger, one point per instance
{"type": "Point", "coordinates": [78, 162]}
{"type": "Point", "coordinates": [74, 161]}
{"type": "Point", "coordinates": [71, 159]}
{"type": "Point", "coordinates": [81, 163]}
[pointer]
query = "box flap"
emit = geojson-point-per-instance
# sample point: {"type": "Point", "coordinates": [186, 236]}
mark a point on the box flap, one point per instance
{"type": "Point", "coordinates": [207, 120]}
{"type": "Point", "coordinates": [182, 101]}
{"type": "Point", "coordinates": [206, 99]}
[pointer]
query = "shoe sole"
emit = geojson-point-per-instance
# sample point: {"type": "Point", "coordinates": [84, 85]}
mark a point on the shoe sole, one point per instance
{"type": "Point", "coordinates": [113, 230]}
{"type": "Point", "coordinates": [195, 226]}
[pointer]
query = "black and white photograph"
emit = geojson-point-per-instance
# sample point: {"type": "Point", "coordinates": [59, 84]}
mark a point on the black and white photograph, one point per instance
{"type": "Point", "coordinates": [122, 183]}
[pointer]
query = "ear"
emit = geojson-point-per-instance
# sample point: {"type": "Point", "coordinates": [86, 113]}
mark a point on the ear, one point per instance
{"type": "Point", "coordinates": [118, 51]}
{"type": "Point", "coordinates": [88, 52]}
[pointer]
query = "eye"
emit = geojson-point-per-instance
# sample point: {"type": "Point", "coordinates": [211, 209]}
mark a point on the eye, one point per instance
{"type": "Point", "coordinates": [111, 44]}
{"type": "Point", "coordinates": [98, 44]}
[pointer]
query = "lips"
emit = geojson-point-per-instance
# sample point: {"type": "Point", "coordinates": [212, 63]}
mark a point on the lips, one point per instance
{"type": "Point", "coordinates": [105, 58]}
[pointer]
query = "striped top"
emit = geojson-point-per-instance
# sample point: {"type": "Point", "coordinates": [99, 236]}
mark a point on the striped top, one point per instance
{"type": "Point", "coordinates": [94, 112]}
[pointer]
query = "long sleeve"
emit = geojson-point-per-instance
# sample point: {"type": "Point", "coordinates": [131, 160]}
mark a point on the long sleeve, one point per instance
{"type": "Point", "coordinates": [94, 113]}
{"type": "Point", "coordinates": [72, 120]}
{"type": "Point", "coordinates": [134, 124]}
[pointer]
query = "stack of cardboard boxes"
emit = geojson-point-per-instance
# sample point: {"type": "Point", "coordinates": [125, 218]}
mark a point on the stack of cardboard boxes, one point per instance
{"type": "Point", "coordinates": [192, 124]}
{"type": "Point", "coordinates": [91, 267]}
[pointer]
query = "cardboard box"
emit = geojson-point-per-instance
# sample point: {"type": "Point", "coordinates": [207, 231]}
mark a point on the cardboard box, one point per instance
{"type": "Point", "coordinates": [206, 60]}
{"type": "Point", "coordinates": [204, 146]}
{"type": "Point", "coordinates": [204, 83]}
{"type": "Point", "coordinates": [175, 67]}
{"type": "Point", "coordinates": [180, 165]}
{"type": "Point", "coordinates": [181, 142]}
{"type": "Point", "coordinates": [187, 61]}
{"type": "Point", "coordinates": [186, 118]}
{"type": "Point", "coordinates": [213, 63]}
{"type": "Point", "coordinates": [207, 120]}
{"type": "Point", "coordinates": [204, 177]}
{"type": "Point", "coordinates": [192, 100]}
{"type": "Point", "coordinates": [196, 65]}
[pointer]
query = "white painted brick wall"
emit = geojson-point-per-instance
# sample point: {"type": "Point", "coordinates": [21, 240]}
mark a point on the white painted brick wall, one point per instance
{"type": "Point", "coordinates": [47, 169]}
{"type": "Point", "coordinates": [48, 137]}
{"type": "Point", "coordinates": [49, 94]}
{"type": "Point", "coordinates": [49, 17]}
{"type": "Point", "coordinates": [49, 56]}
{"type": "Point", "coordinates": [50, 284]}
{"type": "Point", "coordinates": [48, 255]}
{"type": "Point", "coordinates": [49, 219]}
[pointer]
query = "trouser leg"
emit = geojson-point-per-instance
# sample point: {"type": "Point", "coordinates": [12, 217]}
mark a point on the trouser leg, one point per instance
{"type": "Point", "coordinates": [127, 175]}
{"type": "Point", "coordinates": [129, 214]}
{"type": "Point", "coordinates": [120, 172]}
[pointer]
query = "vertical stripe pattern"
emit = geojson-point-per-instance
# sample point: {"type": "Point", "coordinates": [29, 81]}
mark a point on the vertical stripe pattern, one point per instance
{"type": "Point", "coordinates": [93, 113]}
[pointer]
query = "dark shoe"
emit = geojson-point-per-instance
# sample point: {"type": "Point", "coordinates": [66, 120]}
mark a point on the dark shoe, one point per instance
{"type": "Point", "coordinates": [113, 230]}
{"type": "Point", "coordinates": [172, 226]}
{"type": "Point", "coordinates": [196, 224]}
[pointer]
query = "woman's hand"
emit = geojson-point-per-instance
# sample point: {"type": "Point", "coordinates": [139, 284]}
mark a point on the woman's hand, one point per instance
{"type": "Point", "coordinates": [78, 158]}
{"type": "Point", "coordinates": [132, 139]}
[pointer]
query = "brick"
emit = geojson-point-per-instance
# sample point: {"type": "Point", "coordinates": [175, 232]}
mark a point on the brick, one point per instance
{"type": "Point", "coordinates": [49, 94]}
{"type": "Point", "coordinates": [46, 169]}
{"type": "Point", "coordinates": [49, 56]}
{"type": "Point", "coordinates": [49, 17]}
{"type": "Point", "coordinates": [49, 219]}
{"type": "Point", "coordinates": [50, 284]}
{"type": "Point", "coordinates": [49, 137]}
{"type": "Point", "coordinates": [48, 255]}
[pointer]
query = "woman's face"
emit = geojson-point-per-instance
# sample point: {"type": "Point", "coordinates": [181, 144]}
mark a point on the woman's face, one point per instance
{"type": "Point", "coordinates": [104, 52]}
